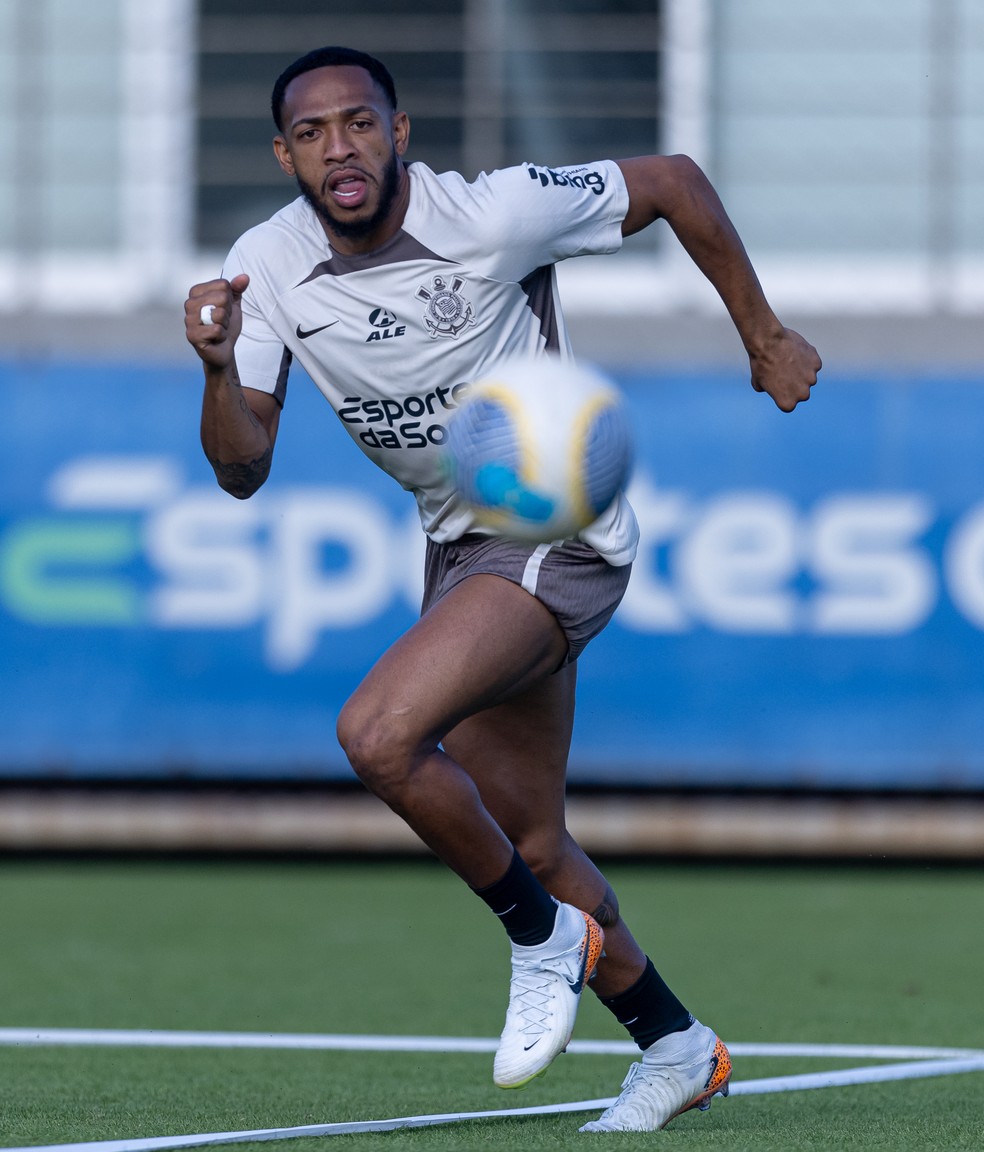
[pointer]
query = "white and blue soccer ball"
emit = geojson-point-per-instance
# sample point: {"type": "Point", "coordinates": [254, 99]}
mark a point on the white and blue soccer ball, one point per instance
{"type": "Point", "coordinates": [540, 447]}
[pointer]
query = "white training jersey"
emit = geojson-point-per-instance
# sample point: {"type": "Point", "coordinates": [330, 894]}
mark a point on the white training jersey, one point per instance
{"type": "Point", "coordinates": [391, 337]}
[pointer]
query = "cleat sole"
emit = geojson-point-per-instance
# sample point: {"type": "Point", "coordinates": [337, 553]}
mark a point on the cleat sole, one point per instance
{"type": "Point", "coordinates": [521, 1084]}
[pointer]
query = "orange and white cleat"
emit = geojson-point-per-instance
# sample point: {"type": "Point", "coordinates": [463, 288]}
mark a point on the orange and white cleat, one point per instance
{"type": "Point", "coordinates": [544, 993]}
{"type": "Point", "coordinates": [681, 1071]}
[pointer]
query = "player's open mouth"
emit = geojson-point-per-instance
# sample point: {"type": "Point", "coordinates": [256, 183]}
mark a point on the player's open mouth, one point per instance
{"type": "Point", "coordinates": [348, 188]}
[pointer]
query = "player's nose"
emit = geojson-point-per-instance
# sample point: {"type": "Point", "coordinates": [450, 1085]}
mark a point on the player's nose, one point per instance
{"type": "Point", "coordinates": [337, 146]}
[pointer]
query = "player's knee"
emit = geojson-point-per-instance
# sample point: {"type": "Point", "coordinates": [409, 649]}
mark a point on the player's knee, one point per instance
{"type": "Point", "coordinates": [373, 749]}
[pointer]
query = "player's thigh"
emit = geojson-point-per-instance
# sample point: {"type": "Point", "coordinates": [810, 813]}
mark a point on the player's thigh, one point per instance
{"type": "Point", "coordinates": [485, 640]}
{"type": "Point", "coordinates": [516, 752]}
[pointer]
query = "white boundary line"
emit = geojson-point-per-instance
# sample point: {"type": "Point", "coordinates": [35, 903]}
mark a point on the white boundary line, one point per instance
{"type": "Point", "coordinates": [341, 1042]}
{"type": "Point", "coordinates": [947, 1061]}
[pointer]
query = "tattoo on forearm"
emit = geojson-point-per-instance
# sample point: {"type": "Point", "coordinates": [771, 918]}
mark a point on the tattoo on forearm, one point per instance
{"type": "Point", "coordinates": [242, 480]}
{"type": "Point", "coordinates": [250, 414]}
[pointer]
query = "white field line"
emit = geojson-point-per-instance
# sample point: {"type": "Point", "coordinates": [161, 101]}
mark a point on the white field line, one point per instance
{"type": "Point", "coordinates": [956, 1060]}
{"type": "Point", "coordinates": [879, 1074]}
{"type": "Point", "coordinates": [162, 1038]}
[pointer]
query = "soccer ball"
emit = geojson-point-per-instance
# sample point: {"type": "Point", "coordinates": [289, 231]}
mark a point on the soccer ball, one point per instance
{"type": "Point", "coordinates": [539, 448]}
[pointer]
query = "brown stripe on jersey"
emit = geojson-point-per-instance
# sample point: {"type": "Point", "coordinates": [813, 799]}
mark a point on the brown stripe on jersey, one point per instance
{"type": "Point", "coordinates": [538, 287]}
{"type": "Point", "coordinates": [401, 249]}
{"type": "Point", "coordinates": [280, 391]}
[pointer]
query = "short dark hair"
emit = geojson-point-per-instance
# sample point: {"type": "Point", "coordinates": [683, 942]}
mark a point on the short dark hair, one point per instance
{"type": "Point", "coordinates": [330, 57]}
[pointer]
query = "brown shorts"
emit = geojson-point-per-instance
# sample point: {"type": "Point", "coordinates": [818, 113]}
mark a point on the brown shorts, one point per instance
{"type": "Point", "coordinates": [580, 588]}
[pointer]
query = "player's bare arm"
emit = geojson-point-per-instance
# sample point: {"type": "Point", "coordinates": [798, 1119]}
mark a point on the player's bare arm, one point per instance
{"type": "Point", "coordinates": [673, 188]}
{"type": "Point", "coordinates": [239, 425]}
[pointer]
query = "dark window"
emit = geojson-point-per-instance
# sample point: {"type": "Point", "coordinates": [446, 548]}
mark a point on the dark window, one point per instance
{"type": "Point", "coordinates": [486, 83]}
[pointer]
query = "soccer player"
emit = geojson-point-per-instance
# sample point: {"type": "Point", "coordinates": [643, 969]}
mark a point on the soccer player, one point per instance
{"type": "Point", "coordinates": [394, 287]}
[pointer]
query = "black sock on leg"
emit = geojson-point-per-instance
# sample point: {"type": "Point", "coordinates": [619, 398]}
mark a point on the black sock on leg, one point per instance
{"type": "Point", "coordinates": [524, 906]}
{"type": "Point", "coordinates": [648, 1009]}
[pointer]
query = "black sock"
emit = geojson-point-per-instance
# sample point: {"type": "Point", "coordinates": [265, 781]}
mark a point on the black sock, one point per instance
{"type": "Point", "coordinates": [522, 904]}
{"type": "Point", "coordinates": [648, 1009]}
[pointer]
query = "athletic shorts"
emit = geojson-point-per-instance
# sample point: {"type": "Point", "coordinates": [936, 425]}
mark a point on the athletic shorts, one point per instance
{"type": "Point", "coordinates": [580, 588]}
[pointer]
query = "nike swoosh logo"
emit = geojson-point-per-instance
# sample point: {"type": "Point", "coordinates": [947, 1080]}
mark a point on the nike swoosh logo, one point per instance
{"type": "Point", "coordinates": [533, 1045]}
{"type": "Point", "coordinates": [312, 331]}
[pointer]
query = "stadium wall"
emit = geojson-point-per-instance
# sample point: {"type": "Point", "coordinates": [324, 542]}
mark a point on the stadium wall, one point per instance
{"type": "Point", "coordinates": [806, 613]}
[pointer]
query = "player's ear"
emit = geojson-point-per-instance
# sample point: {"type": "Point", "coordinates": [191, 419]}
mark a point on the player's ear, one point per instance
{"type": "Point", "coordinates": [283, 155]}
{"type": "Point", "coordinates": [401, 132]}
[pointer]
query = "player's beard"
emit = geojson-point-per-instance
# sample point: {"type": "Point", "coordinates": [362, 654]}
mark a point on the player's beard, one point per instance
{"type": "Point", "coordinates": [389, 188]}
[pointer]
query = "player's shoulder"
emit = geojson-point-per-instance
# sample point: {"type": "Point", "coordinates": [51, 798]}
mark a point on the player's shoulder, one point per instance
{"type": "Point", "coordinates": [489, 201]}
{"type": "Point", "coordinates": [288, 240]}
{"type": "Point", "coordinates": [539, 187]}
{"type": "Point", "coordinates": [586, 177]}
{"type": "Point", "coordinates": [443, 188]}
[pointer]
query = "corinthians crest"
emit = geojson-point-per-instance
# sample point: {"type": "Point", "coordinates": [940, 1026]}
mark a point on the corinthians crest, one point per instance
{"type": "Point", "coordinates": [447, 311]}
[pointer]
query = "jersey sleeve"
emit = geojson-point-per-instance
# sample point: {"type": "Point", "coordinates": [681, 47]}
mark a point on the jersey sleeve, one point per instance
{"type": "Point", "coordinates": [262, 359]}
{"type": "Point", "coordinates": [535, 215]}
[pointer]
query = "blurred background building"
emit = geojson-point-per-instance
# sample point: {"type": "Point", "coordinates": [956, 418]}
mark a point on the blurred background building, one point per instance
{"type": "Point", "coordinates": [807, 614]}
{"type": "Point", "coordinates": [845, 139]}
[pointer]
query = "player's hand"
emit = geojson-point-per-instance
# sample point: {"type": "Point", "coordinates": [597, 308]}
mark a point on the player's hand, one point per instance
{"type": "Point", "coordinates": [786, 367]}
{"type": "Point", "coordinates": [220, 302]}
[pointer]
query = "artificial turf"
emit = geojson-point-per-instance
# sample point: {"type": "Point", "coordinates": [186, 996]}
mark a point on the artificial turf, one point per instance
{"type": "Point", "coordinates": [860, 955]}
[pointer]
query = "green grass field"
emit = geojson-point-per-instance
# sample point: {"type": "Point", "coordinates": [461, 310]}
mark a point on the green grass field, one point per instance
{"type": "Point", "coordinates": [821, 955]}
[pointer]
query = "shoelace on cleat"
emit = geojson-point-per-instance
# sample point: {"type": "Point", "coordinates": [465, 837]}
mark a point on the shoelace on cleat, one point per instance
{"type": "Point", "coordinates": [531, 994]}
{"type": "Point", "coordinates": [637, 1078]}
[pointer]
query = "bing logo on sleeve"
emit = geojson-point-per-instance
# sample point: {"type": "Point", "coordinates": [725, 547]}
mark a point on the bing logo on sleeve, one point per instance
{"type": "Point", "coordinates": [579, 178]}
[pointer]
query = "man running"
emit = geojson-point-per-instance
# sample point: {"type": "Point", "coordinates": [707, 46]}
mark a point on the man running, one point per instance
{"type": "Point", "coordinates": [463, 726]}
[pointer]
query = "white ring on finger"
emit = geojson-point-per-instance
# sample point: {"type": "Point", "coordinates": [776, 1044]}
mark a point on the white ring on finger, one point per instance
{"type": "Point", "coordinates": [205, 315]}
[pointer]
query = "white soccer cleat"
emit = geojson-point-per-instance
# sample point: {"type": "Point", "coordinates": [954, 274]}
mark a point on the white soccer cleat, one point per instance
{"type": "Point", "coordinates": [679, 1072]}
{"type": "Point", "coordinates": [546, 986]}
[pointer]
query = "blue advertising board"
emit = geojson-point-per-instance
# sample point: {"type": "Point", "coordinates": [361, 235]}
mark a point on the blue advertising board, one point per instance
{"type": "Point", "coordinates": [807, 609]}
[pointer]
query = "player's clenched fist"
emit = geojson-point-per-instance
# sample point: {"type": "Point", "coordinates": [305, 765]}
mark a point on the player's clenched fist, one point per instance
{"type": "Point", "coordinates": [214, 319]}
{"type": "Point", "coordinates": [786, 368]}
